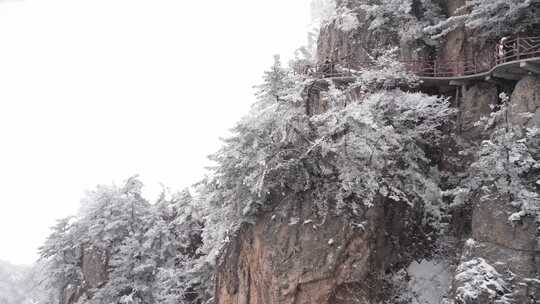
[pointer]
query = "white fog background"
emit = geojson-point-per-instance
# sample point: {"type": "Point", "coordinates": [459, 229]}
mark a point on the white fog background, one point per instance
{"type": "Point", "coordinates": [94, 91]}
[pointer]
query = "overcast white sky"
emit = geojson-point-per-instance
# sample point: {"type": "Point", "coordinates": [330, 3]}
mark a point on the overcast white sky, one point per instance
{"type": "Point", "coordinates": [94, 91]}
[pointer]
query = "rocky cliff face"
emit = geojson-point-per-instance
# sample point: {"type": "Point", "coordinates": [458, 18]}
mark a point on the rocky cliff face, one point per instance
{"type": "Point", "coordinates": [94, 270]}
{"type": "Point", "coordinates": [351, 47]}
{"type": "Point", "coordinates": [354, 47]}
{"type": "Point", "coordinates": [478, 101]}
{"type": "Point", "coordinates": [512, 247]}
{"type": "Point", "coordinates": [461, 46]}
{"type": "Point", "coordinates": [291, 255]}
{"type": "Point", "coordinates": [295, 256]}
{"type": "Point", "coordinates": [525, 110]}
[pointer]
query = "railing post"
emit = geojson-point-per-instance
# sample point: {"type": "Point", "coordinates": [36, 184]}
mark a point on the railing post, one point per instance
{"type": "Point", "coordinates": [435, 68]}
{"type": "Point", "coordinates": [517, 47]}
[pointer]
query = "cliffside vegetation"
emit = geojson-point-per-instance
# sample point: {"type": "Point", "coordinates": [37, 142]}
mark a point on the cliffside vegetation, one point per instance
{"type": "Point", "coordinates": [491, 18]}
{"type": "Point", "coordinates": [506, 164]}
{"type": "Point", "coordinates": [354, 150]}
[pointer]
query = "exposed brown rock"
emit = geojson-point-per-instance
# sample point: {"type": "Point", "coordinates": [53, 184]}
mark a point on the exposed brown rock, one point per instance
{"type": "Point", "coordinates": [294, 255]}
{"type": "Point", "coordinates": [525, 103]}
{"type": "Point", "coordinates": [477, 102]}
{"type": "Point", "coordinates": [454, 47]}
{"type": "Point", "coordinates": [513, 248]}
{"type": "Point", "coordinates": [70, 294]}
{"type": "Point", "coordinates": [316, 99]}
{"type": "Point", "coordinates": [94, 267]}
{"type": "Point", "coordinates": [341, 46]}
{"type": "Point", "coordinates": [520, 269]}
{"type": "Point", "coordinates": [490, 224]}
{"type": "Point", "coordinates": [353, 48]}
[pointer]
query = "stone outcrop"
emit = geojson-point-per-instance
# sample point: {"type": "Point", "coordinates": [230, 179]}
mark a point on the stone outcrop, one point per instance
{"type": "Point", "coordinates": [357, 46]}
{"type": "Point", "coordinates": [477, 102]}
{"type": "Point", "coordinates": [94, 267]}
{"type": "Point", "coordinates": [453, 47]}
{"type": "Point", "coordinates": [513, 249]}
{"type": "Point", "coordinates": [491, 225]}
{"type": "Point", "coordinates": [70, 294]}
{"type": "Point", "coordinates": [460, 46]}
{"type": "Point", "coordinates": [316, 101]}
{"type": "Point", "coordinates": [353, 47]}
{"type": "Point", "coordinates": [519, 270]}
{"type": "Point", "coordinates": [294, 255]}
{"type": "Point", "coordinates": [525, 103]}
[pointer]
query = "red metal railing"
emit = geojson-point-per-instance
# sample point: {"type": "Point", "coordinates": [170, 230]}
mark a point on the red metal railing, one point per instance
{"type": "Point", "coordinates": [340, 68]}
{"type": "Point", "coordinates": [510, 50]}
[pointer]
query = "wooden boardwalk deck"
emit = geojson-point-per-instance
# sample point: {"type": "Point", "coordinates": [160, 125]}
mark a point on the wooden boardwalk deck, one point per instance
{"type": "Point", "coordinates": [512, 70]}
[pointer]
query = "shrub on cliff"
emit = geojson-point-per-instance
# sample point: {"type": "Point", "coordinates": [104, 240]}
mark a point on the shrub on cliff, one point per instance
{"type": "Point", "coordinates": [491, 18]}
{"type": "Point", "coordinates": [505, 166]}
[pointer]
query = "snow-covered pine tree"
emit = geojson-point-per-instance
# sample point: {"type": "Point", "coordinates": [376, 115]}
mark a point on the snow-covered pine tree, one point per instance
{"type": "Point", "coordinates": [177, 238]}
{"type": "Point", "coordinates": [60, 260]}
{"type": "Point", "coordinates": [406, 19]}
{"type": "Point", "coordinates": [490, 18]}
{"type": "Point", "coordinates": [276, 82]}
{"type": "Point", "coordinates": [150, 249]}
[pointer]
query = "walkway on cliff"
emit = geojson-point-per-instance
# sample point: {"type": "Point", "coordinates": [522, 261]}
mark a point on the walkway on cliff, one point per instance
{"type": "Point", "coordinates": [512, 59]}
